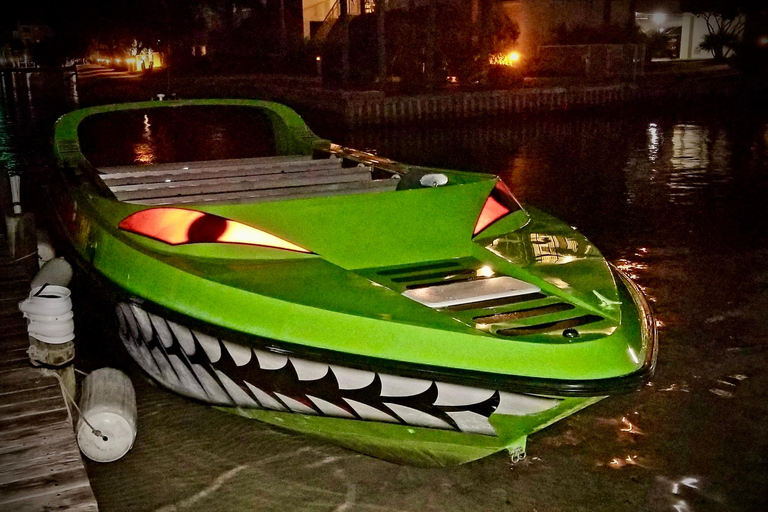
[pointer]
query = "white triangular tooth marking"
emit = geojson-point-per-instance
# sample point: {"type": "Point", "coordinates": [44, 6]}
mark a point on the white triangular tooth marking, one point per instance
{"type": "Point", "coordinates": [330, 409]}
{"type": "Point", "coordinates": [266, 400]}
{"type": "Point", "coordinates": [189, 384]}
{"type": "Point", "coordinates": [122, 330]}
{"type": "Point", "coordinates": [367, 412]}
{"type": "Point", "coordinates": [130, 322]}
{"type": "Point", "coordinates": [240, 397]}
{"type": "Point", "coordinates": [295, 405]}
{"type": "Point", "coordinates": [241, 354]}
{"type": "Point", "coordinates": [212, 388]}
{"type": "Point", "coordinates": [270, 360]}
{"type": "Point", "coordinates": [394, 385]}
{"type": "Point", "coordinates": [167, 375]}
{"type": "Point", "coordinates": [455, 394]}
{"type": "Point", "coordinates": [418, 418]}
{"type": "Point", "coordinates": [351, 378]}
{"type": "Point", "coordinates": [309, 370]}
{"type": "Point", "coordinates": [472, 422]}
{"type": "Point", "coordinates": [184, 335]}
{"type": "Point", "coordinates": [145, 326]}
{"type": "Point", "coordinates": [516, 404]}
{"type": "Point", "coordinates": [210, 346]}
{"type": "Point", "coordinates": [162, 330]}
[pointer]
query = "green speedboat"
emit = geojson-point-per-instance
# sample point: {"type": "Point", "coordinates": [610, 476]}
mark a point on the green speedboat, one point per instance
{"type": "Point", "coordinates": [418, 315]}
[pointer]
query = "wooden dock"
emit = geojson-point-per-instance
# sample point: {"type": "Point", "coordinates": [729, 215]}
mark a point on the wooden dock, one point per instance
{"type": "Point", "coordinates": [40, 464]}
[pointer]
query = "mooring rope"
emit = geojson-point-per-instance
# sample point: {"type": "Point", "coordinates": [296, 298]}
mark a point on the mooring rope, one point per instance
{"type": "Point", "coordinates": [94, 431]}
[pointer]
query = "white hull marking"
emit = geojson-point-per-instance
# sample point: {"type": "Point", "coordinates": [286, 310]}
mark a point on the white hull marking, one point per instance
{"type": "Point", "coordinates": [521, 405]}
{"type": "Point", "coordinates": [241, 355]}
{"type": "Point", "coordinates": [270, 361]}
{"type": "Point", "coordinates": [210, 346]}
{"type": "Point", "coordinates": [309, 370]}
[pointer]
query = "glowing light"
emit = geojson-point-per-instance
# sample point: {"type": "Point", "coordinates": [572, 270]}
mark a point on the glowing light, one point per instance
{"type": "Point", "coordinates": [177, 226]}
{"type": "Point", "coordinates": [763, 41]}
{"type": "Point", "coordinates": [504, 59]}
{"type": "Point", "coordinates": [485, 272]}
{"type": "Point", "coordinates": [318, 58]}
{"type": "Point", "coordinates": [659, 18]}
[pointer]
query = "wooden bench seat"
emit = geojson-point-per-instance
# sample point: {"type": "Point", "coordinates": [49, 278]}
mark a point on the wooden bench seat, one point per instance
{"type": "Point", "coordinates": [240, 180]}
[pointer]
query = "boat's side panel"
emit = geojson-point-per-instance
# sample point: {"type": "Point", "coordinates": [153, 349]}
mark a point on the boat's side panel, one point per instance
{"type": "Point", "coordinates": [397, 418]}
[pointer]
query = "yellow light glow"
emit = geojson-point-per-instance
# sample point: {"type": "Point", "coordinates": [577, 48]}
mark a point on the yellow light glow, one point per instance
{"type": "Point", "coordinates": [485, 272]}
{"type": "Point", "coordinates": [118, 60]}
{"type": "Point", "coordinates": [505, 59]}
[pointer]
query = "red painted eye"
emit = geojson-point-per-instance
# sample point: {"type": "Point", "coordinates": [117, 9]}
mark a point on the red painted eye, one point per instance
{"type": "Point", "coordinates": [499, 204]}
{"type": "Point", "coordinates": [176, 226]}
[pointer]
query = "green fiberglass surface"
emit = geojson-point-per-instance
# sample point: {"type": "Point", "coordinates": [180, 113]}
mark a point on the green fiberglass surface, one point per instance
{"type": "Point", "coordinates": [345, 296]}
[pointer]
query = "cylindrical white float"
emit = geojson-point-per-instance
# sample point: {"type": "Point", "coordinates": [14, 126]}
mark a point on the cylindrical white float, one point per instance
{"type": "Point", "coordinates": [108, 403]}
{"type": "Point", "coordinates": [54, 272]}
{"type": "Point", "coordinates": [45, 250]}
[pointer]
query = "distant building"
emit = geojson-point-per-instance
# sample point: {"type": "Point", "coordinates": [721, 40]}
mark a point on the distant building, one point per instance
{"type": "Point", "coordinates": [30, 34]}
{"type": "Point", "coordinates": [684, 31]}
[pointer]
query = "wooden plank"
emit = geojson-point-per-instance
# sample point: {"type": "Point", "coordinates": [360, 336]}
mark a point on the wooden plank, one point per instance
{"type": "Point", "coordinates": [14, 363]}
{"type": "Point", "coordinates": [154, 176]}
{"type": "Point", "coordinates": [14, 327]}
{"type": "Point", "coordinates": [77, 499]}
{"type": "Point", "coordinates": [59, 477]}
{"type": "Point", "coordinates": [36, 460]}
{"type": "Point", "coordinates": [240, 184]}
{"type": "Point", "coordinates": [208, 164]}
{"type": "Point", "coordinates": [27, 379]}
{"type": "Point", "coordinates": [23, 396]}
{"type": "Point", "coordinates": [360, 187]}
{"type": "Point", "coordinates": [41, 420]}
{"type": "Point", "coordinates": [31, 407]}
{"type": "Point", "coordinates": [14, 344]}
{"type": "Point", "coordinates": [32, 435]}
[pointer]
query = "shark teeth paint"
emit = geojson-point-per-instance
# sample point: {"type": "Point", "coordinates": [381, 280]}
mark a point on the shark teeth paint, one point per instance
{"type": "Point", "coordinates": [225, 373]}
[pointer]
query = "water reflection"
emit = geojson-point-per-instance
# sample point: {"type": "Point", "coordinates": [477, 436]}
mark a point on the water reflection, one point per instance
{"type": "Point", "coordinates": [145, 151]}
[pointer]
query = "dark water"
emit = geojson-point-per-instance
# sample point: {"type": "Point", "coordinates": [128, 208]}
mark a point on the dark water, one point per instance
{"type": "Point", "coordinates": [676, 198]}
{"type": "Point", "coordinates": [176, 135]}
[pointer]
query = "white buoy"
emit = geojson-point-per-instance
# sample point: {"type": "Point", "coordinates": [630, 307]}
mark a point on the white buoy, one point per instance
{"type": "Point", "coordinates": [56, 271]}
{"type": "Point", "coordinates": [106, 428]}
{"type": "Point", "coordinates": [45, 251]}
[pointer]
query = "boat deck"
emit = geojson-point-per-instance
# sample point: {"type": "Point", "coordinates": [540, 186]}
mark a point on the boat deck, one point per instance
{"type": "Point", "coordinates": [40, 463]}
{"type": "Point", "coordinates": [240, 180]}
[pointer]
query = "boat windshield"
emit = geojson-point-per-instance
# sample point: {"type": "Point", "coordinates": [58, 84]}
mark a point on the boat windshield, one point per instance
{"type": "Point", "coordinates": [179, 134]}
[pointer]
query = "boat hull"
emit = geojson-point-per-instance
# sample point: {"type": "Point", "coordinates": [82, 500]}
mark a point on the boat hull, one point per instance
{"type": "Point", "coordinates": [396, 418]}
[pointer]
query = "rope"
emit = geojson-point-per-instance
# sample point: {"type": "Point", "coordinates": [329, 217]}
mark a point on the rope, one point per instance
{"type": "Point", "coordinates": [94, 431]}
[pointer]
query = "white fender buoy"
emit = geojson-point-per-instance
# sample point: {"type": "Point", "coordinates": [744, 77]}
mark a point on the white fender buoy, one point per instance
{"type": "Point", "coordinates": [56, 271]}
{"type": "Point", "coordinates": [433, 180]}
{"type": "Point", "coordinates": [106, 429]}
{"type": "Point", "coordinates": [45, 251]}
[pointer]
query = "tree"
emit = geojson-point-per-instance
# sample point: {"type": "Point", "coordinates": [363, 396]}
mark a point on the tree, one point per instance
{"type": "Point", "coordinates": [725, 23]}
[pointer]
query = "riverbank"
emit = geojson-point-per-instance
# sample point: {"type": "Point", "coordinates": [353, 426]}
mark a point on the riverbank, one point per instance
{"type": "Point", "coordinates": [665, 82]}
